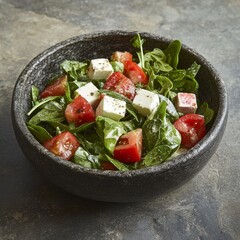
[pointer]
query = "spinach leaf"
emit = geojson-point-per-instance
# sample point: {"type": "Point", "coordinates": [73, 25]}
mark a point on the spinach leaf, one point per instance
{"type": "Point", "coordinates": [68, 96]}
{"type": "Point", "coordinates": [206, 111]}
{"type": "Point", "coordinates": [82, 127]}
{"type": "Point", "coordinates": [62, 127]}
{"type": "Point", "coordinates": [137, 42]}
{"type": "Point", "coordinates": [119, 165]}
{"type": "Point", "coordinates": [117, 66]}
{"type": "Point", "coordinates": [172, 53]}
{"type": "Point", "coordinates": [83, 158]}
{"type": "Point", "coordinates": [35, 95]}
{"type": "Point", "coordinates": [109, 131]}
{"type": "Point", "coordinates": [40, 133]}
{"type": "Point", "coordinates": [156, 60]}
{"type": "Point", "coordinates": [160, 137]}
{"type": "Point", "coordinates": [76, 70]}
{"type": "Point", "coordinates": [41, 103]}
{"type": "Point", "coordinates": [52, 111]}
{"type": "Point", "coordinates": [91, 142]}
{"type": "Point", "coordinates": [171, 112]}
{"type": "Point", "coordinates": [166, 84]}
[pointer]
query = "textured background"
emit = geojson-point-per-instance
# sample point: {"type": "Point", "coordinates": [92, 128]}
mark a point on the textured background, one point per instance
{"type": "Point", "coordinates": [207, 207]}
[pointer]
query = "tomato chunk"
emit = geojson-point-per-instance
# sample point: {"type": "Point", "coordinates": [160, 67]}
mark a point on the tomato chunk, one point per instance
{"type": "Point", "coordinates": [129, 147]}
{"type": "Point", "coordinates": [107, 166]}
{"type": "Point", "coordinates": [121, 84]}
{"type": "Point", "coordinates": [192, 129]}
{"type": "Point", "coordinates": [79, 111]}
{"type": "Point", "coordinates": [121, 56]}
{"type": "Point", "coordinates": [63, 145]}
{"type": "Point", "coordinates": [135, 73]}
{"type": "Point", "coordinates": [56, 88]}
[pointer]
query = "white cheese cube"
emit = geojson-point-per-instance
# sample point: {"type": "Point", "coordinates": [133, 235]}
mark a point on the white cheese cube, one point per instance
{"type": "Point", "coordinates": [186, 102]}
{"type": "Point", "coordinates": [90, 93]}
{"type": "Point", "coordinates": [111, 108]}
{"type": "Point", "coordinates": [145, 102]}
{"type": "Point", "coordinates": [99, 68]}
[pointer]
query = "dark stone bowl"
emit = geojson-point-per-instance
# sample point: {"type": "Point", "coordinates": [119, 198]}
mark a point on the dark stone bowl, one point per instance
{"type": "Point", "coordinates": [128, 186]}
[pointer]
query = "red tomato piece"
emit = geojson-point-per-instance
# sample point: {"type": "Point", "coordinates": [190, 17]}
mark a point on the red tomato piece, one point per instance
{"type": "Point", "coordinates": [121, 84]}
{"type": "Point", "coordinates": [121, 56]}
{"type": "Point", "coordinates": [79, 111]}
{"type": "Point", "coordinates": [108, 166]}
{"type": "Point", "coordinates": [135, 73]}
{"type": "Point", "coordinates": [192, 129]}
{"type": "Point", "coordinates": [56, 88]}
{"type": "Point", "coordinates": [63, 145]}
{"type": "Point", "coordinates": [129, 147]}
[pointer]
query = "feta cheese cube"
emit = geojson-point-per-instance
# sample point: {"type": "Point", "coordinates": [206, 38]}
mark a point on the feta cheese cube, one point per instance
{"type": "Point", "coordinates": [111, 108]}
{"type": "Point", "coordinates": [145, 102]}
{"type": "Point", "coordinates": [186, 102]}
{"type": "Point", "coordinates": [99, 68]}
{"type": "Point", "coordinates": [90, 93]}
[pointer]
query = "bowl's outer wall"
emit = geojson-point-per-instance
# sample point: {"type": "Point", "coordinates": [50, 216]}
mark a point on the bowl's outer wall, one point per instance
{"type": "Point", "coordinates": [107, 185]}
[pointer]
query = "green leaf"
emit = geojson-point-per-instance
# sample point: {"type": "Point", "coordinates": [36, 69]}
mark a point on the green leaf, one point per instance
{"type": "Point", "coordinates": [82, 127]}
{"type": "Point", "coordinates": [68, 96]}
{"type": "Point", "coordinates": [172, 53]}
{"type": "Point", "coordinates": [59, 125]}
{"type": "Point", "coordinates": [41, 103]}
{"type": "Point", "coordinates": [83, 158]}
{"type": "Point", "coordinates": [171, 112]}
{"type": "Point", "coordinates": [76, 70]}
{"type": "Point", "coordinates": [137, 42]}
{"type": "Point", "coordinates": [160, 137]}
{"type": "Point", "coordinates": [40, 133]}
{"type": "Point", "coordinates": [156, 60]}
{"type": "Point", "coordinates": [117, 66]}
{"type": "Point", "coordinates": [52, 111]}
{"type": "Point", "coordinates": [35, 95]}
{"type": "Point", "coordinates": [119, 165]}
{"type": "Point", "coordinates": [166, 85]}
{"type": "Point", "coordinates": [109, 131]}
{"type": "Point", "coordinates": [206, 111]}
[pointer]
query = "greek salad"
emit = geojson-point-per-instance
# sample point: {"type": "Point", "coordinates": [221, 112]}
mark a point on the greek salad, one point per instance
{"type": "Point", "coordinates": [126, 111]}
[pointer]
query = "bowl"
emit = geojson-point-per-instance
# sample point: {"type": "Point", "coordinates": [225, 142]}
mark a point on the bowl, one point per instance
{"type": "Point", "coordinates": [116, 186]}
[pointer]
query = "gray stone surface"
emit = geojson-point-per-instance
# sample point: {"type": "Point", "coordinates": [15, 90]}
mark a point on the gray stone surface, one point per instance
{"type": "Point", "coordinates": [207, 207]}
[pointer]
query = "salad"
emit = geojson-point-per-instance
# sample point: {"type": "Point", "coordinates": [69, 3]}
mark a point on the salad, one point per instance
{"type": "Point", "coordinates": [123, 112]}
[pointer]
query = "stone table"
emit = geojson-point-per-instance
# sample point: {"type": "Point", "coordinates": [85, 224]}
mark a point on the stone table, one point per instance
{"type": "Point", "coordinates": [207, 207]}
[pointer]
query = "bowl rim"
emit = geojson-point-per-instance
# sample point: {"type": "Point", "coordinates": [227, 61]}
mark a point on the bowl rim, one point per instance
{"type": "Point", "coordinates": [199, 148]}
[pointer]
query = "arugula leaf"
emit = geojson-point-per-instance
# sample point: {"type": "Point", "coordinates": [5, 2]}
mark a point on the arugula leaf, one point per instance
{"type": "Point", "coordinates": [172, 53]}
{"type": "Point", "coordinates": [137, 42]}
{"type": "Point", "coordinates": [206, 111]}
{"type": "Point", "coordinates": [68, 96]}
{"type": "Point", "coordinates": [109, 131]}
{"type": "Point", "coordinates": [40, 133]}
{"type": "Point", "coordinates": [160, 137]}
{"type": "Point", "coordinates": [52, 111]}
{"type": "Point", "coordinates": [76, 70]}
